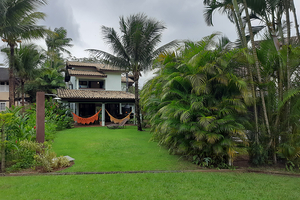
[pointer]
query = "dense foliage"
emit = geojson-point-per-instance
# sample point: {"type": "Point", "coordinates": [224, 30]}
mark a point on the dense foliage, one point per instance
{"type": "Point", "coordinates": [196, 105]}
{"type": "Point", "coordinates": [21, 130]}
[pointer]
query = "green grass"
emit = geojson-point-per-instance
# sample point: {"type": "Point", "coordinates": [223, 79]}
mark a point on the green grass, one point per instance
{"type": "Point", "coordinates": [102, 149]}
{"type": "Point", "coordinates": [98, 149]}
{"type": "Point", "coordinates": [205, 185]}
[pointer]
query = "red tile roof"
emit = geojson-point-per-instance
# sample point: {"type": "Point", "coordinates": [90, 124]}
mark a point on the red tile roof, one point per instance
{"type": "Point", "coordinates": [73, 72]}
{"type": "Point", "coordinates": [94, 94]}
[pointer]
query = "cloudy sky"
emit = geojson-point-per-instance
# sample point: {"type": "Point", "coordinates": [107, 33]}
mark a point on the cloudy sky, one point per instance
{"type": "Point", "coordinates": [83, 20]}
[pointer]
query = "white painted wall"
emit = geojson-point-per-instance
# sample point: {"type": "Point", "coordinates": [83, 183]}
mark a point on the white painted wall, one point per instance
{"type": "Point", "coordinates": [113, 82]}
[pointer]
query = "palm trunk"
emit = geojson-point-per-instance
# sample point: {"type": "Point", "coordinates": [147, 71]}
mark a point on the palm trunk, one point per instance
{"type": "Point", "coordinates": [288, 43]}
{"type": "Point", "coordinates": [126, 81]}
{"type": "Point", "coordinates": [295, 19]}
{"type": "Point", "coordinates": [239, 26]}
{"type": "Point", "coordinates": [22, 89]}
{"type": "Point", "coordinates": [287, 14]}
{"type": "Point", "coordinates": [11, 76]}
{"type": "Point", "coordinates": [249, 70]}
{"type": "Point", "coordinates": [257, 68]}
{"type": "Point", "coordinates": [137, 100]}
{"type": "Point", "coordinates": [2, 149]}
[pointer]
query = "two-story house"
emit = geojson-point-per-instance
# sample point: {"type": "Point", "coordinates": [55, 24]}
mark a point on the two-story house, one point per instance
{"type": "Point", "coordinates": [92, 86]}
{"type": "Point", "coordinates": [4, 88]}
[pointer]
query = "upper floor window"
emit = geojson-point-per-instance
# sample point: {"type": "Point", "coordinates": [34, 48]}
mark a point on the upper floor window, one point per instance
{"type": "Point", "coordinates": [2, 106]}
{"type": "Point", "coordinates": [4, 87]}
{"type": "Point", "coordinates": [92, 84]}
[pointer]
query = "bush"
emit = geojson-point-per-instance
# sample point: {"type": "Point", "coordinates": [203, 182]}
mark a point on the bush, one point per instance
{"type": "Point", "coordinates": [22, 130]}
{"type": "Point", "coordinates": [257, 154]}
{"type": "Point", "coordinates": [44, 157]}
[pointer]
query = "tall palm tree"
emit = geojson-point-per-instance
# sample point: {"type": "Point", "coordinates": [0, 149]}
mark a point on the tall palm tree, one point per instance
{"type": "Point", "coordinates": [225, 7]}
{"type": "Point", "coordinates": [18, 22]}
{"type": "Point", "coordinates": [27, 60]}
{"type": "Point", "coordinates": [56, 42]}
{"type": "Point", "coordinates": [295, 19]}
{"type": "Point", "coordinates": [135, 49]}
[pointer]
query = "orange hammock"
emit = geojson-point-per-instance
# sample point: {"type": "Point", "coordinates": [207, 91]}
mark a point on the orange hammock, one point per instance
{"type": "Point", "coordinates": [115, 120]}
{"type": "Point", "coordinates": [81, 120]}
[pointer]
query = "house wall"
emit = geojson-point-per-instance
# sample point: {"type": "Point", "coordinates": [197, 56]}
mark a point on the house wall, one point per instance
{"type": "Point", "coordinates": [4, 96]}
{"type": "Point", "coordinates": [113, 82]}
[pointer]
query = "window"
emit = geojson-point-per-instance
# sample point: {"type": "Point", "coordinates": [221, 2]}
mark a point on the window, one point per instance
{"type": "Point", "coordinates": [82, 82]}
{"type": "Point", "coordinates": [96, 84]}
{"type": "Point", "coordinates": [2, 106]}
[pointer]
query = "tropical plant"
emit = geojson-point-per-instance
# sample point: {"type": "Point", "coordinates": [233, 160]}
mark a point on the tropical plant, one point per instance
{"type": "Point", "coordinates": [18, 22]}
{"type": "Point", "coordinates": [196, 105]}
{"type": "Point", "coordinates": [5, 119]}
{"type": "Point", "coordinates": [135, 49]}
{"type": "Point", "coordinates": [27, 61]}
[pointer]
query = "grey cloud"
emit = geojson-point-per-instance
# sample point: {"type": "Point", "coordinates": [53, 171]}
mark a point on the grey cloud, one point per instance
{"type": "Point", "coordinates": [60, 14]}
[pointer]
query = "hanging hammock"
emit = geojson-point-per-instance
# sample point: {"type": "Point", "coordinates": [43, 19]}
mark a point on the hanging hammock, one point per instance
{"type": "Point", "coordinates": [115, 120]}
{"type": "Point", "coordinates": [81, 120]}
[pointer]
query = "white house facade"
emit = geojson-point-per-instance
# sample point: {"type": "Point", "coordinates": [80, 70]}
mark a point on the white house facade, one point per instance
{"type": "Point", "coordinates": [93, 86]}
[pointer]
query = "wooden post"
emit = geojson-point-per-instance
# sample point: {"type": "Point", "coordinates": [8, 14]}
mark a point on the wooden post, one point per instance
{"type": "Point", "coordinates": [40, 117]}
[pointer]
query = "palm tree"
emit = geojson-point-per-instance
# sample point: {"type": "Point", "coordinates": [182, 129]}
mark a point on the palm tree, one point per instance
{"type": "Point", "coordinates": [18, 22]}
{"type": "Point", "coordinates": [135, 49]}
{"type": "Point", "coordinates": [27, 60]}
{"type": "Point", "coordinates": [257, 67]}
{"type": "Point", "coordinates": [194, 104]}
{"type": "Point", "coordinates": [57, 42]}
{"type": "Point", "coordinates": [225, 7]}
{"type": "Point", "coordinates": [295, 19]}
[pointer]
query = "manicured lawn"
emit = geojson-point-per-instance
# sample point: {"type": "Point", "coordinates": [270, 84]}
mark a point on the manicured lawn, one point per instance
{"type": "Point", "coordinates": [98, 149]}
{"type": "Point", "coordinates": [205, 185]}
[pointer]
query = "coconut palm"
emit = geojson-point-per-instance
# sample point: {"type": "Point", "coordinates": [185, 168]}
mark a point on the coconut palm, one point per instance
{"type": "Point", "coordinates": [135, 49]}
{"type": "Point", "coordinates": [27, 60]}
{"type": "Point", "coordinates": [57, 42]}
{"type": "Point", "coordinates": [18, 22]}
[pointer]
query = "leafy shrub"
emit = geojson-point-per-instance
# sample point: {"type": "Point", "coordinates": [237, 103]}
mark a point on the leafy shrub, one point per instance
{"type": "Point", "coordinates": [44, 157]}
{"type": "Point", "coordinates": [59, 162]}
{"type": "Point", "coordinates": [257, 154]}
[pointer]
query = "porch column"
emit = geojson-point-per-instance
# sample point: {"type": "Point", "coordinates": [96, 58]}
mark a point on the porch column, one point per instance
{"type": "Point", "coordinates": [77, 109]}
{"type": "Point", "coordinates": [103, 114]}
{"type": "Point", "coordinates": [121, 108]}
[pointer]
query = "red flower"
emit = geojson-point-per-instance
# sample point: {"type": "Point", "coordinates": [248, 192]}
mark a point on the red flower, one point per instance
{"type": "Point", "coordinates": [34, 127]}
{"type": "Point", "coordinates": [16, 141]}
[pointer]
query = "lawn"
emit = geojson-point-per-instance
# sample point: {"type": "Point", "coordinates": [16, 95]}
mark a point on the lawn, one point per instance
{"type": "Point", "coordinates": [202, 185]}
{"type": "Point", "coordinates": [98, 149]}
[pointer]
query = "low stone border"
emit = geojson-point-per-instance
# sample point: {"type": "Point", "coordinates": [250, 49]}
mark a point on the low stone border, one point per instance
{"type": "Point", "coordinates": [142, 172]}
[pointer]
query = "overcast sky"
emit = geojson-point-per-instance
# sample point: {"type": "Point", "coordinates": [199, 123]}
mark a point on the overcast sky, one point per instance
{"type": "Point", "coordinates": [83, 20]}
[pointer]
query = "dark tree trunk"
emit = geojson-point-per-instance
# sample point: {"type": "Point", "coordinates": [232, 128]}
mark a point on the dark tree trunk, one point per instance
{"type": "Point", "coordinates": [11, 76]}
{"type": "Point", "coordinates": [137, 100]}
{"type": "Point", "coordinates": [126, 81]}
{"type": "Point", "coordinates": [2, 150]}
{"type": "Point", "coordinates": [22, 89]}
